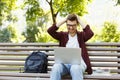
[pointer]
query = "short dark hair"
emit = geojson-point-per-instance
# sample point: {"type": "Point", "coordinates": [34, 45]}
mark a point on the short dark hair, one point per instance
{"type": "Point", "coordinates": [72, 17]}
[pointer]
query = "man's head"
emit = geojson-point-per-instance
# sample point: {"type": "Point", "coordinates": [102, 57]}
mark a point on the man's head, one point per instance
{"type": "Point", "coordinates": [72, 23]}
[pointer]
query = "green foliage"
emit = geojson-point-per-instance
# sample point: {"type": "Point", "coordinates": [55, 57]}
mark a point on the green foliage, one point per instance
{"type": "Point", "coordinates": [118, 2]}
{"type": "Point", "coordinates": [5, 35]}
{"type": "Point", "coordinates": [97, 33]}
{"type": "Point", "coordinates": [10, 34]}
{"type": "Point", "coordinates": [34, 11]}
{"type": "Point", "coordinates": [30, 32]}
{"type": "Point", "coordinates": [65, 7]}
{"type": "Point", "coordinates": [109, 33]}
{"type": "Point", "coordinates": [43, 36]}
{"type": "Point", "coordinates": [6, 6]}
{"type": "Point", "coordinates": [34, 18]}
{"type": "Point", "coordinates": [74, 6]}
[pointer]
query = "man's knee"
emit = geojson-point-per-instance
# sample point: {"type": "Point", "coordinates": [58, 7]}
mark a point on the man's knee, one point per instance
{"type": "Point", "coordinates": [75, 68]}
{"type": "Point", "coordinates": [57, 67]}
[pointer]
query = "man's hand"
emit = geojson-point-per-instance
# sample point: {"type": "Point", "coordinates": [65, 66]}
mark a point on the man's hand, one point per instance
{"type": "Point", "coordinates": [62, 22]}
{"type": "Point", "coordinates": [83, 25]}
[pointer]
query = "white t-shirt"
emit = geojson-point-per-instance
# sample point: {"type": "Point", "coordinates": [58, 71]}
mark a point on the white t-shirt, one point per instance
{"type": "Point", "coordinates": [73, 43]}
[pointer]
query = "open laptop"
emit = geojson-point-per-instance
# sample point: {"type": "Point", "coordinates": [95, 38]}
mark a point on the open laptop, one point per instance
{"type": "Point", "coordinates": [67, 55]}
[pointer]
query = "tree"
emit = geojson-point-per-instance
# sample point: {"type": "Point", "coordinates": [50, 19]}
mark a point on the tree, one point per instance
{"type": "Point", "coordinates": [34, 18]}
{"type": "Point", "coordinates": [109, 33]}
{"type": "Point", "coordinates": [30, 32]}
{"type": "Point", "coordinates": [10, 34]}
{"type": "Point", "coordinates": [43, 36]}
{"type": "Point", "coordinates": [118, 2]}
{"type": "Point", "coordinates": [6, 6]}
{"type": "Point", "coordinates": [35, 15]}
{"type": "Point", "coordinates": [64, 7]}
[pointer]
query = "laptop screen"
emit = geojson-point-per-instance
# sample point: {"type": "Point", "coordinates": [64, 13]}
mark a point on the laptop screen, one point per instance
{"type": "Point", "coordinates": [67, 55]}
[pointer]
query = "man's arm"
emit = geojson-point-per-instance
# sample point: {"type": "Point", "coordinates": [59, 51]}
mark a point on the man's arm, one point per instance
{"type": "Point", "coordinates": [60, 23]}
{"type": "Point", "coordinates": [83, 25]}
{"type": "Point", "coordinates": [87, 32]}
{"type": "Point", "coordinates": [53, 30]}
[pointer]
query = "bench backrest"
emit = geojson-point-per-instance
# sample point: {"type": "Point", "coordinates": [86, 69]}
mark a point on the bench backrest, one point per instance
{"type": "Point", "coordinates": [102, 55]}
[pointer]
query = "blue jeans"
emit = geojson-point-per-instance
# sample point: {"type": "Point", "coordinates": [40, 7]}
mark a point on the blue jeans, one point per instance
{"type": "Point", "coordinates": [58, 70]}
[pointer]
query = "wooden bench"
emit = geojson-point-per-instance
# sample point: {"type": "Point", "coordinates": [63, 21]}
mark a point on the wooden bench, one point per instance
{"type": "Point", "coordinates": [103, 56]}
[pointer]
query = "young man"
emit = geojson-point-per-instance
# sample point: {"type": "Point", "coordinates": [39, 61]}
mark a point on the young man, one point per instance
{"type": "Point", "coordinates": [72, 38]}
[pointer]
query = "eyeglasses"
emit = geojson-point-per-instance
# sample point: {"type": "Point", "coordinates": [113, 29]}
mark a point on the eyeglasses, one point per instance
{"type": "Point", "coordinates": [71, 25]}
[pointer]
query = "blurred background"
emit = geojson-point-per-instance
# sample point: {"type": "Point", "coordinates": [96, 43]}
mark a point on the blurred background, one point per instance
{"type": "Point", "coordinates": [24, 21]}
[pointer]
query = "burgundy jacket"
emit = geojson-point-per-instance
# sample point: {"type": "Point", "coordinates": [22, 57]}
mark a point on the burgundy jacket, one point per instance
{"type": "Point", "coordinates": [82, 36]}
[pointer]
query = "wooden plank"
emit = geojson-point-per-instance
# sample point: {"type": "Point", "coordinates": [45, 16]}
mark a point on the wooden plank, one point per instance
{"type": "Point", "coordinates": [26, 53]}
{"type": "Point", "coordinates": [21, 69]}
{"type": "Point", "coordinates": [99, 64]}
{"type": "Point", "coordinates": [103, 76]}
{"type": "Point", "coordinates": [111, 54]}
{"type": "Point", "coordinates": [104, 44]}
{"type": "Point", "coordinates": [27, 48]}
{"type": "Point", "coordinates": [104, 60]}
{"type": "Point", "coordinates": [105, 65]}
{"type": "Point", "coordinates": [19, 53]}
{"type": "Point", "coordinates": [102, 49]}
{"type": "Point", "coordinates": [16, 74]}
{"type": "Point", "coordinates": [21, 78]}
{"type": "Point", "coordinates": [29, 44]}
{"type": "Point", "coordinates": [114, 70]}
{"type": "Point", "coordinates": [17, 58]}
{"type": "Point", "coordinates": [12, 63]}
{"type": "Point", "coordinates": [56, 44]}
{"type": "Point", "coordinates": [13, 58]}
{"type": "Point", "coordinates": [8, 69]}
{"type": "Point", "coordinates": [15, 69]}
{"type": "Point", "coordinates": [52, 48]}
{"type": "Point", "coordinates": [51, 64]}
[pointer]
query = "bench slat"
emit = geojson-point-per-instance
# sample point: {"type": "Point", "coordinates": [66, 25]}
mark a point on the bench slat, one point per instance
{"type": "Point", "coordinates": [13, 53]}
{"type": "Point", "coordinates": [21, 78]}
{"type": "Point", "coordinates": [104, 44]}
{"type": "Point", "coordinates": [51, 64]}
{"type": "Point", "coordinates": [29, 44]}
{"type": "Point", "coordinates": [52, 48]}
{"type": "Point", "coordinates": [42, 75]}
{"type": "Point", "coordinates": [103, 54]}
{"type": "Point", "coordinates": [103, 76]}
{"type": "Point", "coordinates": [56, 44]}
{"type": "Point", "coordinates": [26, 48]}
{"type": "Point", "coordinates": [52, 53]}
{"type": "Point", "coordinates": [105, 60]}
{"type": "Point", "coordinates": [105, 65]}
{"type": "Point", "coordinates": [102, 49]}
{"type": "Point", "coordinates": [52, 59]}
{"type": "Point", "coordinates": [21, 69]}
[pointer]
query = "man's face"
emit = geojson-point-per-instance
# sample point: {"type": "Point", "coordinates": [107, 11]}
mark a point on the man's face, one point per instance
{"type": "Point", "coordinates": [71, 26]}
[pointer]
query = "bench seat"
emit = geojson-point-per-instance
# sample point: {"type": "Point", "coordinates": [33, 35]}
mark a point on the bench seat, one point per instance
{"type": "Point", "coordinates": [103, 56]}
{"type": "Point", "coordinates": [47, 75]}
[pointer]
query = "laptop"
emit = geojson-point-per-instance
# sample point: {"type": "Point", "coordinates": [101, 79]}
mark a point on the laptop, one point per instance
{"type": "Point", "coordinates": [67, 55]}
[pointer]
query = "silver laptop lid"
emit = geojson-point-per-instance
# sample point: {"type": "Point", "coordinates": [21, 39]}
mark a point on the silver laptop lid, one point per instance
{"type": "Point", "coordinates": [67, 55]}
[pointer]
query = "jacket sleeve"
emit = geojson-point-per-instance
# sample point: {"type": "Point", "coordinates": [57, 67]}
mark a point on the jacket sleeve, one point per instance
{"type": "Point", "coordinates": [87, 33]}
{"type": "Point", "coordinates": [53, 32]}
